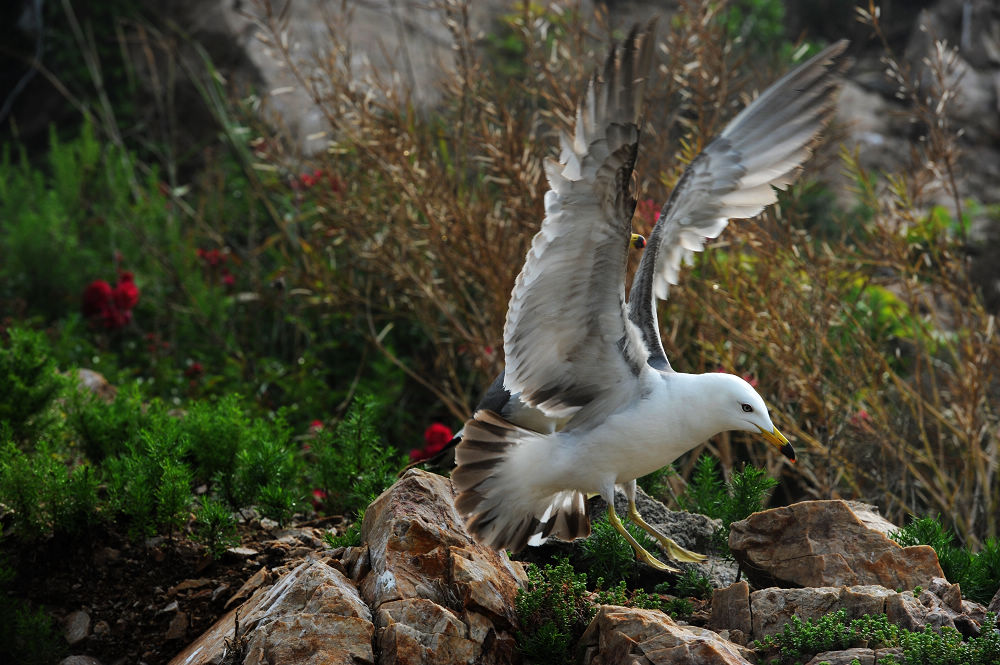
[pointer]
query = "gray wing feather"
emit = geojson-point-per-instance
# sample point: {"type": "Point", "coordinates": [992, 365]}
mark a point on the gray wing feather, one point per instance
{"type": "Point", "coordinates": [734, 177]}
{"type": "Point", "coordinates": [567, 336]}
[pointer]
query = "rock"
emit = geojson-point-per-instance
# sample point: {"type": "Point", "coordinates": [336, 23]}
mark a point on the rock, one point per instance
{"type": "Point", "coordinates": [79, 660]}
{"type": "Point", "coordinates": [187, 585]}
{"type": "Point", "coordinates": [102, 628]}
{"type": "Point", "coordinates": [256, 580]}
{"type": "Point", "coordinates": [178, 626]}
{"type": "Point", "coordinates": [824, 543]}
{"type": "Point", "coordinates": [630, 635]}
{"type": "Point", "coordinates": [434, 591]}
{"type": "Point", "coordinates": [949, 594]}
{"type": "Point", "coordinates": [311, 614]}
{"type": "Point", "coordinates": [731, 608]}
{"type": "Point", "coordinates": [772, 608]}
{"type": "Point", "coordinates": [96, 383]}
{"type": "Point", "coordinates": [994, 605]}
{"type": "Point", "coordinates": [77, 627]}
{"type": "Point", "coordinates": [860, 655]}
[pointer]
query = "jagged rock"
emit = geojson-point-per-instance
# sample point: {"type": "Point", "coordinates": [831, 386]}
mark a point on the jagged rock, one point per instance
{"type": "Point", "coordinates": [860, 655]}
{"type": "Point", "coordinates": [649, 637]}
{"type": "Point", "coordinates": [311, 614]}
{"type": "Point", "coordinates": [772, 608]}
{"type": "Point", "coordinates": [437, 595]}
{"type": "Point", "coordinates": [824, 543]}
{"type": "Point", "coordinates": [731, 608]}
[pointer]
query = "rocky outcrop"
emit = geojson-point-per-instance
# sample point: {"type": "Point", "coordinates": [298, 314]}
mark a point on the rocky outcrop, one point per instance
{"type": "Point", "coordinates": [825, 543]}
{"type": "Point", "coordinates": [420, 590]}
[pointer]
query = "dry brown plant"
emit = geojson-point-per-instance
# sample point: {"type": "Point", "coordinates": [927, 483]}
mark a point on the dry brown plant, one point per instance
{"type": "Point", "coordinates": [873, 347]}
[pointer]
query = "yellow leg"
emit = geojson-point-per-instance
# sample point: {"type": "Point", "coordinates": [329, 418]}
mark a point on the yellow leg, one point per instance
{"type": "Point", "coordinates": [672, 549]}
{"type": "Point", "coordinates": [640, 552]}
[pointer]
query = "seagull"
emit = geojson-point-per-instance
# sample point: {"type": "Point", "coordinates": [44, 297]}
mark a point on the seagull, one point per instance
{"type": "Point", "coordinates": [588, 399]}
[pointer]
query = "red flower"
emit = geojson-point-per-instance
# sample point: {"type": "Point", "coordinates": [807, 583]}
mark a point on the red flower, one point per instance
{"type": "Point", "coordinates": [126, 294]}
{"type": "Point", "coordinates": [228, 279]}
{"type": "Point", "coordinates": [437, 436]}
{"type": "Point", "coordinates": [318, 497]}
{"type": "Point", "coordinates": [111, 307]}
{"type": "Point", "coordinates": [647, 211]}
{"type": "Point", "coordinates": [194, 370]}
{"type": "Point", "coordinates": [316, 425]}
{"type": "Point", "coordinates": [95, 298]}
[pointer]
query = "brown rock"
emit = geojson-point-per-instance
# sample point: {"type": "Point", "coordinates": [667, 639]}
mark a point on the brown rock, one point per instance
{"type": "Point", "coordinates": [256, 581]}
{"type": "Point", "coordinates": [994, 605]}
{"type": "Point", "coordinates": [731, 608]}
{"type": "Point", "coordinates": [649, 637]}
{"type": "Point", "coordinates": [860, 655]}
{"type": "Point", "coordinates": [311, 614]}
{"type": "Point", "coordinates": [76, 627]}
{"type": "Point", "coordinates": [96, 383]}
{"type": "Point", "coordinates": [421, 557]}
{"type": "Point", "coordinates": [178, 626]}
{"type": "Point", "coordinates": [824, 543]}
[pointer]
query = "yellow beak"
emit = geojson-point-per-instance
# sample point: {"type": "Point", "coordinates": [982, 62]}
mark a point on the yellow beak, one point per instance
{"type": "Point", "coordinates": [778, 440]}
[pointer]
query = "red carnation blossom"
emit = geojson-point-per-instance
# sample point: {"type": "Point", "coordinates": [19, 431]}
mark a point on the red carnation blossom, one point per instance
{"type": "Point", "coordinates": [95, 298]}
{"type": "Point", "coordinates": [437, 436]}
{"type": "Point", "coordinates": [316, 425]}
{"type": "Point", "coordinates": [126, 294]}
{"type": "Point", "coordinates": [111, 307]}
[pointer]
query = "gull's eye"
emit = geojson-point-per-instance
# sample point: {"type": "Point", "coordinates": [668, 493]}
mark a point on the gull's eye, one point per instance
{"type": "Point", "coordinates": [747, 408]}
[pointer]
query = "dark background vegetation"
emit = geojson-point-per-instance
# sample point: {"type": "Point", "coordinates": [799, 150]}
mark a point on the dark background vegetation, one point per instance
{"type": "Point", "coordinates": [300, 319]}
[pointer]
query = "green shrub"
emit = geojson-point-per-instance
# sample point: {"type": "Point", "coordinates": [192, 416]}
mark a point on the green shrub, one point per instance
{"type": "Point", "coordinates": [45, 494]}
{"type": "Point", "coordinates": [692, 584]}
{"type": "Point", "coordinates": [350, 463]}
{"type": "Point", "coordinates": [608, 555]}
{"type": "Point", "coordinates": [554, 610]}
{"type": "Point", "coordinates": [28, 635]}
{"type": "Point", "coordinates": [215, 527]}
{"type": "Point", "coordinates": [977, 573]}
{"type": "Point", "coordinates": [150, 485]}
{"type": "Point", "coordinates": [28, 382]}
{"type": "Point", "coordinates": [745, 493]}
{"type": "Point", "coordinates": [350, 537]}
{"type": "Point", "coordinates": [267, 470]}
{"type": "Point", "coordinates": [104, 428]}
{"type": "Point", "coordinates": [217, 432]}
{"type": "Point", "coordinates": [799, 640]}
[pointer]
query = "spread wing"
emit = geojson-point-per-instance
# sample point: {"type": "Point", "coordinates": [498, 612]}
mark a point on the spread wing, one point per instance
{"type": "Point", "coordinates": [567, 338]}
{"type": "Point", "coordinates": [735, 177]}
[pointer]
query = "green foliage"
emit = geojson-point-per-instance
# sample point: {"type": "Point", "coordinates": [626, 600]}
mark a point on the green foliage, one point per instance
{"type": "Point", "coordinates": [759, 24]}
{"type": "Point", "coordinates": [28, 382]}
{"type": "Point", "coordinates": [28, 635]}
{"type": "Point", "coordinates": [745, 493]}
{"type": "Point", "coordinates": [692, 584]}
{"type": "Point", "coordinates": [657, 483]}
{"type": "Point", "coordinates": [103, 428]}
{"type": "Point", "coordinates": [350, 537]}
{"type": "Point", "coordinates": [350, 462]}
{"type": "Point", "coordinates": [678, 608]}
{"type": "Point", "coordinates": [150, 485]}
{"type": "Point", "coordinates": [553, 610]}
{"type": "Point", "coordinates": [799, 640]}
{"type": "Point", "coordinates": [267, 471]}
{"type": "Point", "coordinates": [608, 555]}
{"type": "Point", "coordinates": [215, 527]}
{"type": "Point", "coordinates": [619, 594]}
{"type": "Point", "coordinates": [47, 495]}
{"type": "Point", "coordinates": [977, 573]}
